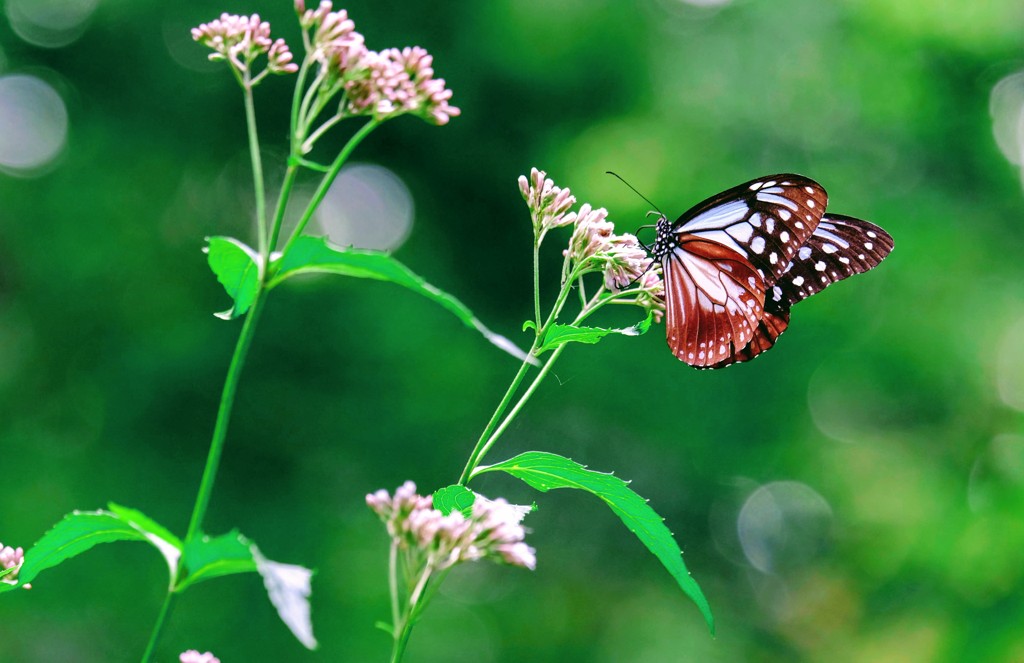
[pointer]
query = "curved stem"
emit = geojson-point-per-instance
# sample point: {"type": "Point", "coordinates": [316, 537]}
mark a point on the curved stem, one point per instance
{"type": "Point", "coordinates": [282, 204]}
{"type": "Point", "coordinates": [393, 582]}
{"type": "Point", "coordinates": [220, 428]}
{"type": "Point", "coordinates": [257, 172]}
{"type": "Point", "coordinates": [536, 278]}
{"type": "Point", "coordinates": [297, 101]}
{"type": "Point", "coordinates": [220, 431]}
{"type": "Point", "coordinates": [411, 609]}
{"type": "Point", "coordinates": [158, 628]}
{"type": "Point", "coordinates": [515, 410]}
{"type": "Point", "coordinates": [475, 456]}
{"type": "Point", "coordinates": [328, 179]}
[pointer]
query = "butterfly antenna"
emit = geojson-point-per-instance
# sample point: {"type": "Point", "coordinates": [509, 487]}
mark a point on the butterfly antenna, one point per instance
{"type": "Point", "coordinates": [619, 177]}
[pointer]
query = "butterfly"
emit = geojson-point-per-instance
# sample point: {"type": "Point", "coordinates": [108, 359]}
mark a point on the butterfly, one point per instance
{"type": "Point", "coordinates": [734, 265]}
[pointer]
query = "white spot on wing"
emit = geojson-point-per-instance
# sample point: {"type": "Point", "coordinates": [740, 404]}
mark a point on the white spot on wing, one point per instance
{"type": "Point", "coordinates": [804, 253]}
{"type": "Point", "coordinates": [820, 266]}
{"type": "Point", "coordinates": [741, 231]}
{"type": "Point", "coordinates": [829, 248]}
{"type": "Point", "coordinates": [798, 281]}
{"type": "Point", "coordinates": [778, 200]}
{"type": "Point", "coordinates": [757, 245]}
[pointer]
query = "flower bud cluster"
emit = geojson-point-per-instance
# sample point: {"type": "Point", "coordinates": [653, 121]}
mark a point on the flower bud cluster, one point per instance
{"type": "Point", "coordinates": [383, 85]}
{"type": "Point", "coordinates": [11, 558]}
{"type": "Point", "coordinates": [622, 260]}
{"type": "Point", "coordinates": [549, 205]}
{"type": "Point", "coordinates": [242, 39]}
{"type": "Point", "coordinates": [493, 530]}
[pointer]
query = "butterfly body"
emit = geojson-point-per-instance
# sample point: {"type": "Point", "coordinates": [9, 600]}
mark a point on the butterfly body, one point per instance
{"type": "Point", "coordinates": [734, 264]}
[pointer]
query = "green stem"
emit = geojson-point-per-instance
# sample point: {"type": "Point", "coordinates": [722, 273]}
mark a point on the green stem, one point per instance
{"type": "Point", "coordinates": [411, 609]}
{"type": "Point", "coordinates": [158, 628]}
{"type": "Point", "coordinates": [479, 456]}
{"type": "Point", "coordinates": [220, 428]}
{"type": "Point", "coordinates": [536, 278]}
{"type": "Point", "coordinates": [257, 172]}
{"type": "Point", "coordinates": [328, 179]}
{"type": "Point", "coordinates": [475, 456]}
{"type": "Point", "coordinates": [393, 582]}
{"type": "Point", "coordinates": [296, 101]}
{"type": "Point", "coordinates": [282, 203]}
{"type": "Point", "coordinates": [220, 431]}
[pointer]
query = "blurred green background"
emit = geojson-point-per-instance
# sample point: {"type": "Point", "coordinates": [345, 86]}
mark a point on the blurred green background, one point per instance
{"type": "Point", "coordinates": [854, 495]}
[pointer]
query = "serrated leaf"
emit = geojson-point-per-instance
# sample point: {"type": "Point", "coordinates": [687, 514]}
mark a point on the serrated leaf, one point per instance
{"type": "Point", "coordinates": [237, 267]}
{"type": "Point", "coordinates": [559, 334]}
{"type": "Point", "coordinates": [454, 498]}
{"type": "Point", "coordinates": [143, 522]}
{"type": "Point", "coordinates": [223, 555]}
{"type": "Point", "coordinates": [79, 531]}
{"type": "Point", "coordinates": [289, 589]}
{"type": "Point", "coordinates": [546, 471]}
{"type": "Point", "coordinates": [314, 255]}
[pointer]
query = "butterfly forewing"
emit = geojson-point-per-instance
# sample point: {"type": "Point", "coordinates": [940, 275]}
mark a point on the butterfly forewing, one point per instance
{"type": "Point", "coordinates": [716, 298]}
{"type": "Point", "coordinates": [840, 247]}
{"type": "Point", "coordinates": [765, 220]}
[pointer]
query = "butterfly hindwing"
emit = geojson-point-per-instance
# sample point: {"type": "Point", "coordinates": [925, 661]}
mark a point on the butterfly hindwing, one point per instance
{"type": "Point", "coordinates": [840, 247]}
{"type": "Point", "coordinates": [715, 298]}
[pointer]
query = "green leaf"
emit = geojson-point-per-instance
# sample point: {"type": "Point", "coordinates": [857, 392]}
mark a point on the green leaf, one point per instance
{"type": "Point", "coordinates": [143, 522]}
{"type": "Point", "coordinates": [314, 255]}
{"type": "Point", "coordinates": [559, 334]}
{"type": "Point", "coordinates": [237, 267]}
{"type": "Point", "coordinates": [454, 498]}
{"type": "Point", "coordinates": [79, 531]}
{"type": "Point", "coordinates": [546, 471]}
{"type": "Point", "coordinates": [207, 558]}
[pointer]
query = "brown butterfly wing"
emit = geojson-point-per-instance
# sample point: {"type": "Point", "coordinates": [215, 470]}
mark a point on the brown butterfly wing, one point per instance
{"type": "Point", "coordinates": [715, 299]}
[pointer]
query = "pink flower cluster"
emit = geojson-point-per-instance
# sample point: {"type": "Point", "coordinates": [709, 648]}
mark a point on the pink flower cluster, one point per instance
{"type": "Point", "coordinates": [621, 259]}
{"type": "Point", "coordinates": [549, 205]}
{"type": "Point", "coordinates": [193, 656]}
{"type": "Point", "coordinates": [11, 558]}
{"type": "Point", "coordinates": [241, 39]}
{"type": "Point", "coordinates": [493, 531]}
{"type": "Point", "coordinates": [335, 44]}
{"type": "Point", "coordinates": [385, 84]}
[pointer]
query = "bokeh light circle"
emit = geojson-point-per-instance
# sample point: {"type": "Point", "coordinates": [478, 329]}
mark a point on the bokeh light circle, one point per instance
{"type": "Point", "coordinates": [368, 207]}
{"type": "Point", "coordinates": [50, 23]}
{"type": "Point", "coordinates": [1006, 104]}
{"type": "Point", "coordinates": [1010, 368]}
{"type": "Point", "coordinates": [33, 124]}
{"type": "Point", "coordinates": [783, 525]}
